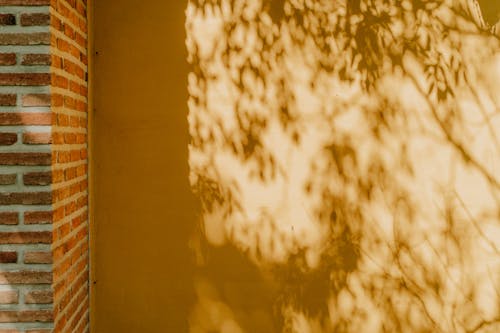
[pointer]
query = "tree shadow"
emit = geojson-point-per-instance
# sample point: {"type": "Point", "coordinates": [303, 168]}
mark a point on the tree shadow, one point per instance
{"type": "Point", "coordinates": [348, 150]}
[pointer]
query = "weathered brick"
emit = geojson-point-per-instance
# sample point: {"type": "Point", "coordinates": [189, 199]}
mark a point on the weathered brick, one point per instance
{"type": "Point", "coordinates": [38, 297]}
{"type": "Point", "coordinates": [25, 158]}
{"type": "Point", "coordinates": [8, 179]}
{"type": "Point", "coordinates": [7, 19]}
{"type": "Point", "coordinates": [7, 139]}
{"type": "Point", "coordinates": [26, 198]}
{"type": "Point", "coordinates": [7, 59]}
{"type": "Point", "coordinates": [9, 297]}
{"type": "Point", "coordinates": [35, 38]}
{"type": "Point", "coordinates": [38, 59]}
{"type": "Point", "coordinates": [8, 99]}
{"type": "Point", "coordinates": [25, 277]}
{"type": "Point", "coordinates": [36, 100]}
{"type": "Point", "coordinates": [41, 257]}
{"type": "Point", "coordinates": [9, 218]}
{"type": "Point", "coordinates": [8, 257]}
{"type": "Point", "coordinates": [37, 178]}
{"type": "Point", "coordinates": [67, 37]}
{"type": "Point", "coordinates": [37, 138]}
{"type": "Point", "coordinates": [26, 316]}
{"type": "Point", "coordinates": [35, 19]}
{"type": "Point", "coordinates": [25, 118]}
{"type": "Point", "coordinates": [38, 217]}
{"type": "Point", "coordinates": [24, 79]}
{"type": "Point", "coordinates": [26, 237]}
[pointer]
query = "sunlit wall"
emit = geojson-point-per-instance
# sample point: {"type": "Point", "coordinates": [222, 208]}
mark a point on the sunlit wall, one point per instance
{"type": "Point", "coordinates": [347, 160]}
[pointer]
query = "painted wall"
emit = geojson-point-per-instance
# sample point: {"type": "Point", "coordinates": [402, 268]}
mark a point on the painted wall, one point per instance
{"type": "Point", "coordinates": [143, 208]}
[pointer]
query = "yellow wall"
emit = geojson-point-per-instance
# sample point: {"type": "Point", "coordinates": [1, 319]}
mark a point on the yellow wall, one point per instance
{"type": "Point", "coordinates": [143, 210]}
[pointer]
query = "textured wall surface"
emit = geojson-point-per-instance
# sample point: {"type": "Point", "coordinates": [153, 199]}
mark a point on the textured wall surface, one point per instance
{"type": "Point", "coordinates": [349, 151]}
{"type": "Point", "coordinates": [69, 164]}
{"type": "Point", "coordinates": [43, 168]}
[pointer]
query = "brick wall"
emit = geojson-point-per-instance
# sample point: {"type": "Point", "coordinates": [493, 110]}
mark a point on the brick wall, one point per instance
{"type": "Point", "coordinates": [43, 166]}
{"type": "Point", "coordinates": [69, 164]}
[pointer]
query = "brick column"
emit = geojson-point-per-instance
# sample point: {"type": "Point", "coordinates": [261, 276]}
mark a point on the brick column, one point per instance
{"type": "Point", "coordinates": [43, 166]}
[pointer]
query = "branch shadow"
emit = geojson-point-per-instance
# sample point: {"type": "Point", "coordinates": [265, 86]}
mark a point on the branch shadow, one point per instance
{"type": "Point", "coordinates": [347, 151]}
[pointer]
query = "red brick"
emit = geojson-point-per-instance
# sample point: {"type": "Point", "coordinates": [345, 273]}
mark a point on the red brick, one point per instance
{"type": "Point", "coordinates": [24, 79]}
{"type": "Point", "coordinates": [27, 316]}
{"type": "Point", "coordinates": [75, 51]}
{"type": "Point", "coordinates": [8, 179]}
{"type": "Point", "coordinates": [84, 318]}
{"type": "Point", "coordinates": [59, 81]}
{"type": "Point", "coordinates": [75, 123]}
{"type": "Point", "coordinates": [35, 19]}
{"type": "Point", "coordinates": [63, 156]}
{"type": "Point", "coordinates": [73, 306]}
{"type": "Point", "coordinates": [8, 99]}
{"type": "Point", "coordinates": [57, 176]}
{"type": "Point", "coordinates": [62, 45]}
{"type": "Point", "coordinates": [62, 268]}
{"type": "Point", "coordinates": [38, 257]}
{"type": "Point", "coordinates": [25, 159]}
{"type": "Point", "coordinates": [37, 138]}
{"type": "Point", "coordinates": [57, 100]}
{"type": "Point", "coordinates": [62, 120]}
{"type": "Point", "coordinates": [9, 218]}
{"type": "Point", "coordinates": [25, 277]}
{"type": "Point", "coordinates": [74, 87]}
{"type": "Point", "coordinates": [83, 154]}
{"type": "Point", "coordinates": [83, 90]}
{"type": "Point", "coordinates": [25, 118]}
{"type": "Point", "coordinates": [37, 217]}
{"type": "Point", "coordinates": [7, 19]}
{"type": "Point", "coordinates": [8, 257]}
{"type": "Point", "coordinates": [9, 297]}
{"type": "Point", "coordinates": [75, 155]}
{"type": "Point", "coordinates": [7, 59]}
{"type": "Point", "coordinates": [58, 214]}
{"type": "Point", "coordinates": [35, 38]}
{"type": "Point", "coordinates": [56, 23]}
{"type": "Point", "coordinates": [36, 59]}
{"type": "Point", "coordinates": [26, 237]}
{"type": "Point", "coordinates": [63, 230]}
{"type": "Point", "coordinates": [36, 100]}
{"type": "Point", "coordinates": [68, 31]}
{"type": "Point", "coordinates": [81, 73]}
{"type": "Point", "coordinates": [82, 41]}
{"type": "Point", "coordinates": [8, 139]}
{"type": "Point", "coordinates": [38, 297]}
{"type": "Point", "coordinates": [84, 59]}
{"type": "Point", "coordinates": [56, 61]}
{"type": "Point", "coordinates": [69, 66]}
{"type": "Point", "coordinates": [26, 198]}
{"type": "Point", "coordinates": [58, 138]}
{"type": "Point", "coordinates": [70, 173]}
{"type": "Point", "coordinates": [37, 178]}
{"type": "Point", "coordinates": [70, 138]}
